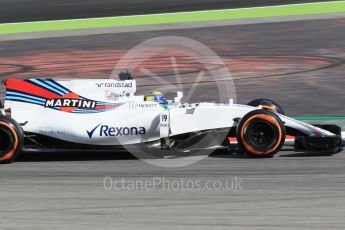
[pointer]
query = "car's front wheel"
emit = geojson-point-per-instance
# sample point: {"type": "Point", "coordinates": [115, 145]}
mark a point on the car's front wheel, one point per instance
{"type": "Point", "coordinates": [260, 133]}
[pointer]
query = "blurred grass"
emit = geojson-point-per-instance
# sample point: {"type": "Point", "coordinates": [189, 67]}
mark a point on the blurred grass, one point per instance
{"type": "Point", "coordinates": [323, 120]}
{"type": "Point", "coordinates": [319, 118]}
{"type": "Point", "coordinates": [198, 16]}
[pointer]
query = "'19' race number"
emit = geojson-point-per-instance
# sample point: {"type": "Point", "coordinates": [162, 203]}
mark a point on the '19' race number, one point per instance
{"type": "Point", "coordinates": [164, 125]}
{"type": "Point", "coordinates": [164, 118]}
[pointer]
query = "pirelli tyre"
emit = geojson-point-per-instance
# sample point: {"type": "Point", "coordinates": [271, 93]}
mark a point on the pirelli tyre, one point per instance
{"type": "Point", "coordinates": [11, 139]}
{"type": "Point", "coordinates": [267, 104]}
{"type": "Point", "coordinates": [260, 133]}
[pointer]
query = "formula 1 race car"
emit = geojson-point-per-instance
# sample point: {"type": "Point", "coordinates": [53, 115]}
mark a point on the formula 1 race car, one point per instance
{"type": "Point", "coordinates": [100, 114]}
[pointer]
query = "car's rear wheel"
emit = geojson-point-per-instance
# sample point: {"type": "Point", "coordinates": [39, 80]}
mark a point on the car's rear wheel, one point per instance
{"type": "Point", "coordinates": [267, 104]}
{"type": "Point", "coordinates": [260, 133]}
{"type": "Point", "coordinates": [11, 139]}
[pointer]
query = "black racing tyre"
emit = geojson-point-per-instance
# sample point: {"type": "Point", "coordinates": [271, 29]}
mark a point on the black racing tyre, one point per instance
{"type": "Point", "coordinates": [11, 139]}
{"type": "Point", "coordinates": [267, 104]}
{"type": "Point", "coordinates": [260, 133]}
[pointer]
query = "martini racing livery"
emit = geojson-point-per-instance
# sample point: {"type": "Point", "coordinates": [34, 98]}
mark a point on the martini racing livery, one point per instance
{"type": "Point", "coordinates": [105, 114]}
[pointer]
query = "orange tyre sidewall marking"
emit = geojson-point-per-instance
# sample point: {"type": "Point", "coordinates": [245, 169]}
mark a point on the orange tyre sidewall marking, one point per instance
{"type": "Point", "coordinates": [10, 154]}
{"type": "Point", "coordinates": [268, 107]}
{"type": "Point", "coordinates": [266, 118]}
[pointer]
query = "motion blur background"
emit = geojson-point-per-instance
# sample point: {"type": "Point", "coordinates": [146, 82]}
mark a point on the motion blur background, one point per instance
{"type": "Point", "coordinates": [296, 62]}
{"type": "Point", "coordinates": [38, 10]}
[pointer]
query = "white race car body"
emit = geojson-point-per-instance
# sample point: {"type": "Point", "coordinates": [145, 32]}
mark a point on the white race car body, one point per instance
{"type": "Point", "coordinates": [106, 112]}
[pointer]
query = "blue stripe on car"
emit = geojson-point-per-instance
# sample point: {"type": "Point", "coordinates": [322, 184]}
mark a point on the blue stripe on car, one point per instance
{"type": "Point", "coordinates": [9, 93]}
{"type": "Point", "coordinates": [22, 99]}
{"type": "Point", "coordinates": [55, 85]}
{"type": "Point", "coordinates": [37, 82]}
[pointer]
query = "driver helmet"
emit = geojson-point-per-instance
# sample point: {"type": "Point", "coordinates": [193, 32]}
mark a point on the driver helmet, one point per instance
{"type": "Point", "coordinates": [158, 97]}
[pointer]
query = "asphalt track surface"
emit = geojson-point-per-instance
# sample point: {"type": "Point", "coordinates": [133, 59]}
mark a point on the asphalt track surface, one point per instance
{"type": "Point", "coordinates": [37, 10]}
{"type": "Point", "coordinates": [281, 193]}
{"type": "Point", "coordinates": [299, 64]}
